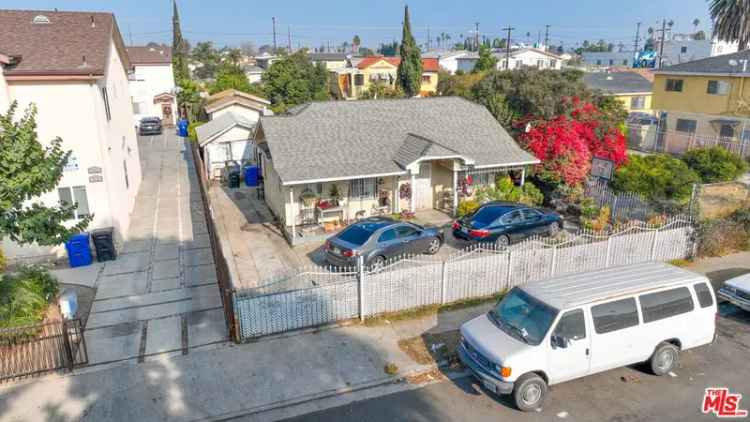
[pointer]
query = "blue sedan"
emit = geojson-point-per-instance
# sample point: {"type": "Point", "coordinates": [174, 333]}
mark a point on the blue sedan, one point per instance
{"type": "Point", "coordinates": [504, 223]}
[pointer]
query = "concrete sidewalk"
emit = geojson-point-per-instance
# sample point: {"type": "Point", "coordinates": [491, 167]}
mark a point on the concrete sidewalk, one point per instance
{"type": "Point", "coordinates": [269, 377]}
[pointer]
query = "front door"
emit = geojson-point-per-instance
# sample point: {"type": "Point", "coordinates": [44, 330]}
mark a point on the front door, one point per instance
{"type": "Point", "coordinates": [166, 114]}
{"type": "Point", "coordinates": [423, 186]}
{"type": "Point", "coordinates": [569, 349]}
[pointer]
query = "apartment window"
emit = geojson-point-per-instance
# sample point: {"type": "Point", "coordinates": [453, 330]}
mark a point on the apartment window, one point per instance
{"type": "Point", "coordinates": [683, 49]}
{"type": "Point", "coordinates": [359, 80]}
{"type": "Point", "coordinates": [686, 125]}
{"type": "Point", "coordinates": [75, 195]}
{"type": "Point", "coordinates": [426, 79]}
{"type": "Point", "coordinates": [136, 108]}
{"type": "Point", "coordinates": [718, 87]}
{"type": "Point", "coordinates": [661, 305]}
{"type": "Point", "coordinates": [519, 64]}
{"type": "Point", "coordinates": [553, 64]}
{"type": "Point", "coordinates": [615, 315]}
{"type": "Point", "coordinates": [611, 62]}
{"type": "Point", "coordinates": [362, 188]}
{"type": "Point", "coordinates": [125, 170]}
{"type": "Point", "coordinates": [726, 130]}
{"type": "Point", "coordinates": [105, 97]}
{"type": "Point", "coordinates": [540, 64]}
{"type": "Point", "coordinates": [638, 103]}
{"type": "Point", "coordinates": [704, 295]}
{"type": "Point", "coordinates": [598, 62]}
{"type": "Point", "coordinates": [674, 85]}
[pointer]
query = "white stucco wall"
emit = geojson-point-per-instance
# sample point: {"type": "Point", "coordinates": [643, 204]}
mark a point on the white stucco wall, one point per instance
{"type": "Point", "coordinates": [530, 59]}
{"type": "Point", "coordinates": [74, 111]}
{"type": "Point", "coordinates": [235, 145]}
{"type": "Point", "coordinates": [245, 112]}
{"type": "Point", "coordinates": [149, 81]}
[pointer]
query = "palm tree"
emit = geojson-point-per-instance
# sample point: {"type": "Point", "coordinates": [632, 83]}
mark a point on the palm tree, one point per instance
{"type": "Point", "coordinates": [696, 22]}
{"type": "Point", "coordinates": [731, 19]}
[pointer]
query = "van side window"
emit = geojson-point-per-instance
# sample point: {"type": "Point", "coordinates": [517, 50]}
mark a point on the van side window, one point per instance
{"type": "Point", "coordinates": [704, 295]}
{"type": "Point", "coordinates": [572, 325]}
{"type": "Point", "coordinates": [665, 304]}
{"type": "Point", "coordinates": [615, 315]}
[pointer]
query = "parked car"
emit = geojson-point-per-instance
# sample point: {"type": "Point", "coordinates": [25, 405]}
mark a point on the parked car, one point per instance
{"type": "Point", "coordinates": [737, 291]}
{"type": "Point", "coordinates": [548, 332]}
{"type": "Point", "coordinates": [379, 239]}
{"type": "Point", "coordinates": [150, 126]}
{"type": "Point", "coordinates": [506, 222]}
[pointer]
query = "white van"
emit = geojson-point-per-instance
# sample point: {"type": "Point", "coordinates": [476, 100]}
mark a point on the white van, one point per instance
{"type": "Point", "coordinates": [551, 331]}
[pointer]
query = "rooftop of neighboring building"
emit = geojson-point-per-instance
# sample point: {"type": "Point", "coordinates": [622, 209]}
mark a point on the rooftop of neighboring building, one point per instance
{"type": "Point", "coordinates": [428, 64]}
{"type": "Point", "coordinates": [617, 82]}
{"type": "Point", "coordinates": [150, 55]}
{"type": "Point", "coordinates": [735, 64]}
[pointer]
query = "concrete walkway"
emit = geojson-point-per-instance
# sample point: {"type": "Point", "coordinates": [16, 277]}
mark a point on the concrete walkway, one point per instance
{"type": "Point", "coordinates": [160, 295]}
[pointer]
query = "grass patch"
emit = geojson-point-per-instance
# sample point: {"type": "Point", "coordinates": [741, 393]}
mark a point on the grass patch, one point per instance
{"type": "Point", "coordinates": [424, 311]}
{"type": "Point", "coordinates": [682, 263]}
{"type": "Point", "coordinates": [25, 296]}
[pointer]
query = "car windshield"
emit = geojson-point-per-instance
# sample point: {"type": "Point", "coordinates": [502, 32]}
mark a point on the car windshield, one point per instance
{"type": "Point", "coordinates": [523, 317]}
{"type": "Point", "coordinates": [487, 215]}
{"type": "Point", "coordinates": [356, 234]}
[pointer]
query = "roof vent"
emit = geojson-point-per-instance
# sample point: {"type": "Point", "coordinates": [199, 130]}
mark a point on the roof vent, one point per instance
{"type": "Point", "coordinates": [40, 19]}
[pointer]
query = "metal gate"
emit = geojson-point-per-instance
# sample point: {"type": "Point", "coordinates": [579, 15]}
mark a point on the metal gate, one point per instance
{"type": "Point", "coordinates": [38, 348]}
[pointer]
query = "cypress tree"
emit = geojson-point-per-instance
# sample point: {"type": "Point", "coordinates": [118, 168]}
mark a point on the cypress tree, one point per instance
{"type": "Point", "coordinates": [410, 68]}
{"type": "Point", "coordinates": [179, 59]}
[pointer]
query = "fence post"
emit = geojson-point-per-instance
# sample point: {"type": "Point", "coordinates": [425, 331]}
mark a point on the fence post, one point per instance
{"type": "Point", "coordinates": [553, 266]}
{"type": "Point", "coordinates": [612, 213]}
{"type": "Point", "coordinates": [67, 349]}
{"type": "Point", "coordinates": [653, 245]}
{"type": "Point", "coordinates": [443, 283]}
{"type": "Point", "coordinates": [361, 282]}
{"type": "Point", "coordinates": [609, 251]}
{"type": "Point", "coordinates": [510, 268]}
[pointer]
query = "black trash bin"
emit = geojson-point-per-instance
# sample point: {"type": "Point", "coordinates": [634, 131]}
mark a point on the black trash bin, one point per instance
{"type": "Point", "coordinates": [104, 244]}
{"type": "Point", "coordinates": [234, 179]}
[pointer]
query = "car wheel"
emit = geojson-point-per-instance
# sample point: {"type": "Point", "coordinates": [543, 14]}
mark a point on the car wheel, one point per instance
{"type": "Point", "coordinates": [502, 241]}
{"type": "Point", "coordinates": [664, 359]}
{"type": "Point", "coordinates": [554, 229]}
{"type": "Point", "coordinates": [377, 264]}
{"type": "Point", "coordinates": [434, 246]}
{"type": "Point", "coordinates": [529, 392]}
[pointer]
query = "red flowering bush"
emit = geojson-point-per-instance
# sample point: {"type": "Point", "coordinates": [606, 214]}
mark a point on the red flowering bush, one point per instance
{"type": "Point", "coordinates": [567, 143]}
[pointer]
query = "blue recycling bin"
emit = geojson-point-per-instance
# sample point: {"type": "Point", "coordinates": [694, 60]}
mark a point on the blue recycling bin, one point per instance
{"type": "Point", "coordinates": [79, 251]}
{"type": "Point", "coordinates": [251, 176]}
{"type": "Point", "coordinates": [182, 128]}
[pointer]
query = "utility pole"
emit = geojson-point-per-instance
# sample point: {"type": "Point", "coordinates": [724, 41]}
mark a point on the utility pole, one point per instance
{"type": "Point", "coordinates": [546, 37]}
{"type": "Point", "coordinates": [663, 31]}
{"type": "Point", "coordinates": [476, 36]}
{"type": "Point", "coordinates": [507, 47]}
{"type": "Point", "coordinates": [273, 19]}
{"type": "Point", "coordinates": [637, 37]}
{"type": "Point", "coordinates": [289, 38]}
{"type": "Point", "coordinates": [429, 42]}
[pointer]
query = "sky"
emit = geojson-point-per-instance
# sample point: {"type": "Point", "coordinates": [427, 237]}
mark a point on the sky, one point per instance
{"type": "Point", "coordinates": [313, 24]}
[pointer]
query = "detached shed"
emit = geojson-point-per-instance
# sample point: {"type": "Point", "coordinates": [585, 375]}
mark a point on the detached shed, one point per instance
{"type": "Point", "coordinates": [226, 141]}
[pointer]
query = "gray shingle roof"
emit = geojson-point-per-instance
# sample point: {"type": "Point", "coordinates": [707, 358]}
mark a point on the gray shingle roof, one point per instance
{"type": "Point", "coordinates": [207, 131]}
{"type": "Point", "coordinates": [416, 147]}
{"type": "Point", "coordinates": [716, 64]}
{"type": "Point", "coordinates": [617, 82]}
{"type": "Point", "coordinates": [348, 139]}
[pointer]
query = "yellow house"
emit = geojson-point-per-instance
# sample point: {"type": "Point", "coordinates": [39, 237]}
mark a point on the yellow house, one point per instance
{"type": "Point", "coordinates": [350, 82]}
{"type": "Point", "coordinates": [705, 102]}
{"type": "Point", "coordinates": [630, 88]}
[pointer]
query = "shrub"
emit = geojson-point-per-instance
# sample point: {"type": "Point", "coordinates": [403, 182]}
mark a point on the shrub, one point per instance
{"type": "Point", "coordinates": [742, 216]}
{"type": "Point", "coordinates": [657, 177]}
{"type": "Point", "coordinates": [191, 130]}
{"type": "Point", "coordinates": [505, 190]}
{"type": "Point", "coordinates": [599, 223]}
{"type": "Point", "coordinates": [467, 207]}
{"type": "Point", "coordinates": [715, 164]}
{"type": "Point", "coordinates": [720, 237]}
{"type": "Point", "coordinates": [3, 263]}
{"type": "Point", "coordinates": [531, 195]}
{"type": "Point", "coordinates": [24, 296]}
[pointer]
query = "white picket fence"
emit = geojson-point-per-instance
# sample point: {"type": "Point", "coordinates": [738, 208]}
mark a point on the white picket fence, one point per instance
{"type": "Point", "coordinates": [321, 297]}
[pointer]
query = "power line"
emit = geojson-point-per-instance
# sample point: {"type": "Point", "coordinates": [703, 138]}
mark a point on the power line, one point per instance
{"type": "Point", "coordinates": [507, 46]}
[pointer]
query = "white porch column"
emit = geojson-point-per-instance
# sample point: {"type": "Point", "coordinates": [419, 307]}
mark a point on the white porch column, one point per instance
{"type": "Point", "coordinates": [294, 213]}
{"type": "Point", "coordinates": [413, 199]}
{"type": "Point", "coordinates": [396, 197]}
{"type": "Point", "coordinates": [523, 175]}
{"type": "Point", "coordinates": [455, 192]}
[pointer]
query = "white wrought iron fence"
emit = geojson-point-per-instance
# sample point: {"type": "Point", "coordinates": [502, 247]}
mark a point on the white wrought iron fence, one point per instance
{"type": "Point", "coordinates": [313, 298]}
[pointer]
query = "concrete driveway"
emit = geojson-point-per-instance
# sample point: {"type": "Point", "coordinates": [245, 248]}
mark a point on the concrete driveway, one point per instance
{"type": "Point", "coordinates": [160, 295]}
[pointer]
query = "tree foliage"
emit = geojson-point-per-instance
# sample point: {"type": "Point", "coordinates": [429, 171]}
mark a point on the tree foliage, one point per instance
{"type": "Point", "coordinates": [381, 91]}
{"type": "Point", "coordinates": [179, 48]}
{"type": "Point", "coordinates": [730, 19]}
{"type": "Point", "coordinates": [28, 170]}
{"type": "Point", "coordinates": [486, 60]}
{"type": "Point", "coordinates": [409, 73]}
{"type": "Point", "coordinates": [294, 80]}
{"type": "Point", "coordinates": [715, 164]}
{"type": "Point", "coordinates": [657, 177]}
{"type": "Point", "coordinates": [231, 76]}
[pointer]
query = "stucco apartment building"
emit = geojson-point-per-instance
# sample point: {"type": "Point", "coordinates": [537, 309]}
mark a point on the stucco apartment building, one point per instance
{"type": "Point", "coordinates": [73, 67]}
{"type": "Point", "coordinates": [152, 85]}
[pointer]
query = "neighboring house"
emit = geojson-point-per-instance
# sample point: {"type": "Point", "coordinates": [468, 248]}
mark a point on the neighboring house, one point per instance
{"type": "Point", "coordinates": [594, 60]}
{"type": "Point", "coordinates": [265, 60]}
{"type": "Point", "coordinates": [381, 156]}
{"type": "Point", "coordinates": [330, 60]}
{"type": "Point", "coordinates": [253, 73]}
{"type": "Point", "coordinates": [152, 85]}
{"type": "Point", "coordinates": [465, 63]}
{"type": "Point", "coordinates": [447, 59]}
{"type": "Point", "coordinates": [226, 142]}
{"type": "Point", "coordinates": [630, 88]}
{"type": "Point", "coordinates": [682, 48]}
{"type": "Point", "coordinates": [247, 106]}
{"type": "Point", "coordinates": [529, 57]}
{"type": "Point", "coordinates": [350, 82]}
{"type": "Point", "coordinates": [705, 101]}
{"type": "Point", "coordinates": [74, 67]}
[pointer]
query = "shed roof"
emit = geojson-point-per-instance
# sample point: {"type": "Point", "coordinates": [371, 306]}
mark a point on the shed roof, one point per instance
{"type": "Point", "coordinates": [210, 130]}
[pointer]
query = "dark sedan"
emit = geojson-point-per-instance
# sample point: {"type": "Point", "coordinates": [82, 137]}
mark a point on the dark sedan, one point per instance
{"type": "Point", "coordinates": [150, 126]}
{"type": "Point", "coordinates": [504, 223]}
{"type": "Point", "coordinates": [379, 239]}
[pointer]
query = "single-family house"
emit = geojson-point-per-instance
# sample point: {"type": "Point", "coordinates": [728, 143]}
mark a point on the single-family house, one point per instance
{"type": "Point", "coordinates": [603, 59]}
{"type": "Point", "coordinates": [152, 86]}
{"type": "Point", "coordinates": [334, 162]}
{"type": "Point", "coordinates": [248, 106]}
{"type": "Point", "coordinates": [447, 59]}
{"type": "Point", "coordinates": [253, 73]}
{"type": "Point", "coordinates": [73, 66]}
{"type": "Point", "coordinates": [528, 57]}
{"type": "Point", "coordinates": [226, 142]}
{"type": "Point", "coordinates": [350, 82]}
{"type": "Point", "coordinates": [265, 60]}
{"type": "Point", "coordinates": [704, 102]}
{"type": "Point", "coordinates": [466, 62]}
{"type": "Point", "coordinates": [630, 88]}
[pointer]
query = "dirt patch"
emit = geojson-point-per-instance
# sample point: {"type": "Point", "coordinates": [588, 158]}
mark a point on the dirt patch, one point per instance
{"type": "Point", "coordinates": [426, 377]}
{"type": "Point", "coordinates": [430, 349]}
